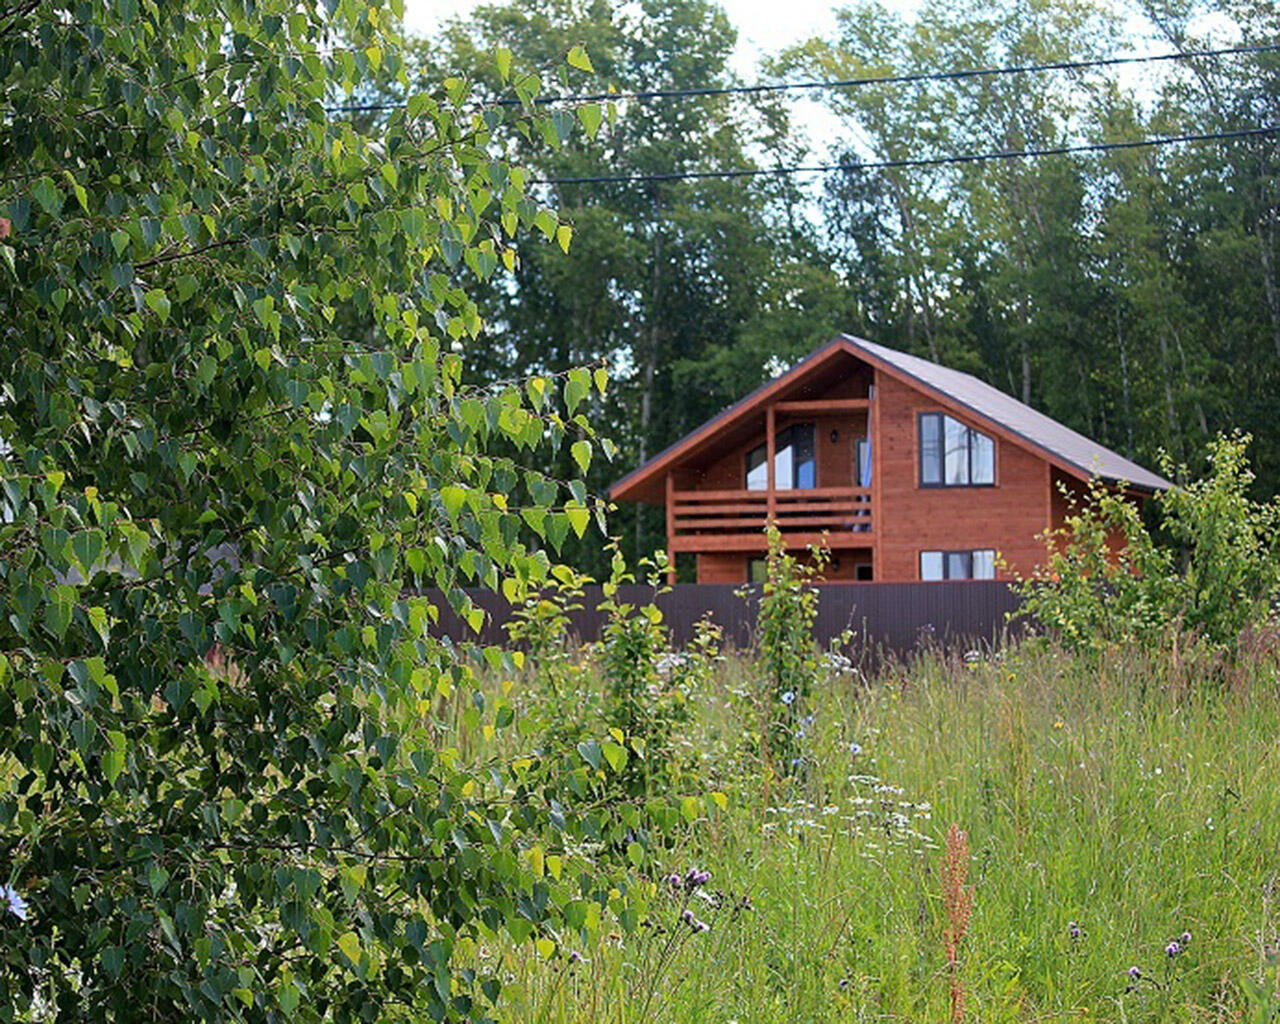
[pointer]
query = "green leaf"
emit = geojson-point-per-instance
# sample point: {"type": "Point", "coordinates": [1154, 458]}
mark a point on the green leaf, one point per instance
{"type": "Point", "coordinates": [349, 943]}
{"type": "Point", "coordinates": [581, 452]}
{"type": "Point", "coordinates": [579, 518]}
{"type": "Point", "coordinates": [591, 752]}
{"type": "Point", "coordinates": [47, 194]}
{"type": "Point", "coordinates": [578, 59]}
{"type": "Point", "coordinates": [591, 117]}
{"type": "Point", "coordinates": [502, 57]}
{"type": "Point", "coordinates": [158, 302]}
{"type": "Point", "coordinates": [453, 499]}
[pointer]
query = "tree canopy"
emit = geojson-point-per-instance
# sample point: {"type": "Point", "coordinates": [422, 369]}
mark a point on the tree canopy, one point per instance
{"type": "Point", "coordinates": [223, 792]}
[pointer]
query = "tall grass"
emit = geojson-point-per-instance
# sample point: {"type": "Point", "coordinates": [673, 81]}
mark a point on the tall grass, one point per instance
{"type": "Point", "coordinates": [1117, 797]}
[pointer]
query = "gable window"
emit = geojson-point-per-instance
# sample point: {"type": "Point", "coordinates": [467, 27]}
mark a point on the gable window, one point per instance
{"type": "Point", "coordinates": [954, 455]}
{"type": "Point", "coordinates": [794, 465]}
{"type": "Point", "coordinates": [958, 565]}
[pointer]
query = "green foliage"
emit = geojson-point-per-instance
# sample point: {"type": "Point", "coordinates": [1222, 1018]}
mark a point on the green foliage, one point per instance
{"type": "Point", "coordinates": [784, 641]}
{"type": "Point", "coordinates": [1106, 582]}
{"type": "Point", "coordinates": [1231, 543]}
{"type": "Point", "coordinates": [223, 793]}
{"type": "Point", "coordinates": [649, 685]}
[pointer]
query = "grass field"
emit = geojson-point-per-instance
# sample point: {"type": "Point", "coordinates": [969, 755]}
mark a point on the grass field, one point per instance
{"type": "Point", "coordinates": [1109, 810]}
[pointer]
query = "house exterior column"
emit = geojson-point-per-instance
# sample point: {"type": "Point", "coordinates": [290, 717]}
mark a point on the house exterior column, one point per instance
{"type": "Point", "coordinates": [771, 447]}
{"type": "Point", "coordinates": [671, 528]}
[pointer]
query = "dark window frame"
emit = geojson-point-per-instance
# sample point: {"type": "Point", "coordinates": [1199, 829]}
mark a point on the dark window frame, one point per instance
{"type": "Point", "coordinates": [941, 418]}
{"type": "Point", "coordinates": [946, 556]}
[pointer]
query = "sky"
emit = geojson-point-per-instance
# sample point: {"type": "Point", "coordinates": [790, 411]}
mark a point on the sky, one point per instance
{"type": "Point", "coordinates": [763, 25]}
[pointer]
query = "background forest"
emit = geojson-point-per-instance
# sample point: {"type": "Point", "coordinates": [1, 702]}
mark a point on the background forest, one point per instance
{"type": "Point", "coordinates": [1131, 294]}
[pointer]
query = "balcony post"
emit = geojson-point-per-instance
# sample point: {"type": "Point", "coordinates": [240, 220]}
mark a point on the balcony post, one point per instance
{"type": "Point", "coordinates": [771, 448]}
{"type": "Point", "coordinates": [671, 528]}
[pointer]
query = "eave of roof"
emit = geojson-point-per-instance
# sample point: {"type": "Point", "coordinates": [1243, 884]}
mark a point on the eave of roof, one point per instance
{"type": "Point", "coordinates": [1069, 450]}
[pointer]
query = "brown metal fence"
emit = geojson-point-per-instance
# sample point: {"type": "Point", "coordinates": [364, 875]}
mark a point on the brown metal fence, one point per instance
{"type": "Point", "coordinates": [886, 617]}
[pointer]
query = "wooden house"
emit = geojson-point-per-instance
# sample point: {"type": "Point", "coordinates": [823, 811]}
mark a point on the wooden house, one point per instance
{"type": "Point", "coordinates": [904, 469]}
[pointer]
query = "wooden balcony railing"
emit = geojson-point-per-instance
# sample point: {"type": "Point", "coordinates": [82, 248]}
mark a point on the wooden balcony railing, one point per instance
{"type": "Point", "coordinates": [810, 511]}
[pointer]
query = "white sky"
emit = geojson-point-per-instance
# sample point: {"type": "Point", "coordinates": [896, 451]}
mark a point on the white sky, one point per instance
{"type": "Point", "coordinates": [763, 25]}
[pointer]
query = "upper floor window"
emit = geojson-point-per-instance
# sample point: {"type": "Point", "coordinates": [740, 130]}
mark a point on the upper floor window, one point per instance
{"type": "Point", "coordinates": [954, 455]}
{"type": "Point", "coordinates": [794, 464]}
{"type": "Point", "coordinates": [958, 565]}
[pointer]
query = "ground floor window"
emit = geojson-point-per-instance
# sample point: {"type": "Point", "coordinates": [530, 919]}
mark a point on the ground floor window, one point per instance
{"type": "Point", "coordinates": [757, 570]}
{"type": "Point", "coordinates": [979, 564]}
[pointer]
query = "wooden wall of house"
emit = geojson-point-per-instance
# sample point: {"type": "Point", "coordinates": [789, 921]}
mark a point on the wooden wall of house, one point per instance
{"type": "Point", "coordinates": [731, 566]}
{"type": "Point", "coordinates": [1077, 491]}
{"type": "Point", "coordinates": [910, 518]}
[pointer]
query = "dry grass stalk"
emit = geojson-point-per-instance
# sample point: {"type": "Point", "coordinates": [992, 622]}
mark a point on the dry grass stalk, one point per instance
{"type": "Point", "coordinates": [957, 899]}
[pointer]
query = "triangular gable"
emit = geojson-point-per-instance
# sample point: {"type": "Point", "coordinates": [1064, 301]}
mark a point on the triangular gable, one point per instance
{"type": "Point", "coordinates": [1044, 436]}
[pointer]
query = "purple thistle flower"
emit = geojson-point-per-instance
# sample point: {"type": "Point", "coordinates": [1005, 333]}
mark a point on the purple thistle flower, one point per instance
{"type": "Point", "coordinates": [673, 881]}
{"type": "Point", "coordinates": [844, 983]}
{"type": "Point", "coordinates": [687, 917]}
{"type": "Point", "coordinates": [1073, 930]}
{"type": "Point", "coordinates": [1184, 939]}
{"type": "Point", "coordinates": [701, 926]}
{"type": "Point", "coordinates": [1135, 973]}
{"type": "Point", "coordinates": [1172, 950]}
{"type": "Point", "coordinates": [575, 957]}
{"type": "Point", "coordinates": [789, 697]}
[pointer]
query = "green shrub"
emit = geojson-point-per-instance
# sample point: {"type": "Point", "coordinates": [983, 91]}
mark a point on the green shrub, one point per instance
{"type": "Point", "coordinates": [1220, 576]}
{"type": "Point", "coordinates": [788, 656]}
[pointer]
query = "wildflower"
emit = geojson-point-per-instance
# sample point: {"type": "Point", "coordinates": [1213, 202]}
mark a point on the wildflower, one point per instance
{"type": "Point", "coordinates": [844, 983]}
{"type": "Point", "coordinates": [1172, 950]}
{"type": "Point", "coordinates": [807, 721]}
{"type": "Point", "coordinates": [855, 749]}
{"type": "Point", "coordinates": [1135, 973]}
{"type": "Point", "coordinates": [575, 957]}
{"type": "Point", "coordinates": [687, 917]}
{"type": "Point", "coordinates": [701, 926]}
{"type": "Point", "coordinates": [1058, 724]}
{"type": "Point", "coordinates": [1184, 940]}
{"type": "Point", "coordinates": [17, 905]}
{"type": "Point", "coordinates": [1073, 930]}
{"type": "Point", "coordinates": [789, 697]}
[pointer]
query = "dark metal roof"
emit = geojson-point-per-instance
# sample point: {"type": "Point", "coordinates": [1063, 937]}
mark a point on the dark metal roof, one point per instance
{"type": "Point", "coordinates": [1088, 456]}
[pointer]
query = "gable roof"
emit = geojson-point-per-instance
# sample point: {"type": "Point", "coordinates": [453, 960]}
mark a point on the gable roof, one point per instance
{"type": "Point", "coordinates": [1069, 450]}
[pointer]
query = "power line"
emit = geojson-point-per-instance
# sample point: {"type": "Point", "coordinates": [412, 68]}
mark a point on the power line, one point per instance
{"type": "Point", "coordinates": [648, 95]}
{"type": "Point", "coordinates": [931, 161]}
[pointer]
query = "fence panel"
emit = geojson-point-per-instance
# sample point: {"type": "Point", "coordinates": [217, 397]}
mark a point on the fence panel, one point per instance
{"type": "Point", "coordinates": [895, 617]}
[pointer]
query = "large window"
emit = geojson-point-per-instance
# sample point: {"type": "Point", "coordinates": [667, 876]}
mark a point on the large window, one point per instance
{"type": "Point", "coordinates": [953, 455]}
{"type": "Point", "coordinates": [958, 565]}
{"type": "Point", "coordinates": [794, 465]}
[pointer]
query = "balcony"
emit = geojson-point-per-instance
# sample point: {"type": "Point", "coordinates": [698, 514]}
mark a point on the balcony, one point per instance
{"type": "Point", "coordinates": [735, 519]}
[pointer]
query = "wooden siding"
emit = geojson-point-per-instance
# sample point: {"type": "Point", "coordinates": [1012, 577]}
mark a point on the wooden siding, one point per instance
{"type": "Point", "coordinates": [731, 566]}
{"type": "Point", "coordinates": [911, 518]}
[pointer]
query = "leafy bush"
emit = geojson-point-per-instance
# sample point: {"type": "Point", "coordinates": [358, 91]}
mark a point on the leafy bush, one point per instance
{"type": "Point", "coordinates": [784, 641]}
{"type": "Point", "coordinates": [1107, 582]}
{"type": "Point", "coordinates": [234, 441]}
